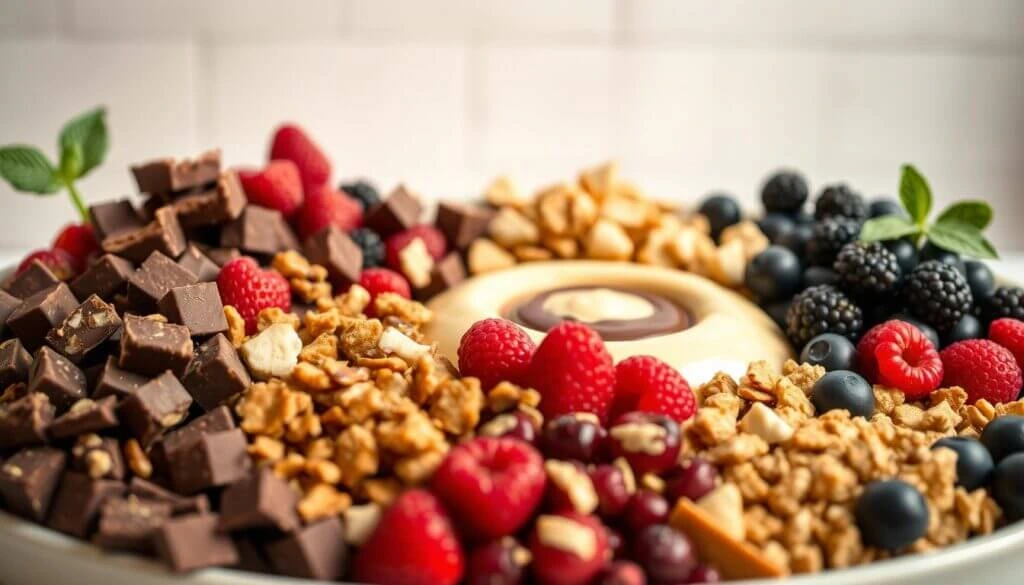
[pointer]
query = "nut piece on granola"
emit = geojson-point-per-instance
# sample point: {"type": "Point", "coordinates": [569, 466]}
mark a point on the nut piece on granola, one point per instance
{"type": "Point", "coordinates": [486, 256]}
{"type": "Point", "coordinates": [393, 341]}
{"type": "Point", "coordinates": [274, 352]}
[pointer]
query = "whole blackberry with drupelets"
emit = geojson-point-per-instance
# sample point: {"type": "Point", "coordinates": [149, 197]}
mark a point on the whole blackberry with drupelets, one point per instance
{"type": "Point", "coordinates": [841, 201]}
{"type": "Point", "coordinates": [1005, 301]}
{"type": "Point", "coordinates": [828, 237]}
{"type": "Point", "coordinates": [822, 309]}
{"type": "Point", "coordinates": [867, 269]}
{"type": "Point", "coordinates": [784, 192]}
{"type": "Point", "coordinates": [938, 294]}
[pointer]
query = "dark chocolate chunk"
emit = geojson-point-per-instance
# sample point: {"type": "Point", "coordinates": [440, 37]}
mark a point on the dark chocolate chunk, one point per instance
{"type": "Point", "coordinates": [28, 480]}
{"type": "Point", "coordinates": [86, 416]}
{"type": "Point", "coordinates": [23, 423]}
{"type": "Point", "coordinates": [108, 276]}
{"type": "Point", "coordinates": [55, 376]}
{"type": "Point", "coordinates": [261, 500]}
{"type": "Point", "coordinates": [250, 554]}
{"type": "Point", "coordinates": [335, 251]}
{"type": "Point", "coordinates": [163, 235]}
{"type": "Point", "coordinates": [15, 363]}
{"type": "Point", "coordinates": [155, 407]}
{"type": "Point", "coordinates": [462, 223]}
{"type": "Point", "coordinates": [222, 256]}
{"type": "Point", "coordinates": [399, 211]}
{"type": "Point", "coordinates": [199, 264]}
{"type": "Point", "coordinates": [8, 303]}
{"type": "Point", "coordinates": [214, 460]}
{"type": "Point", "coordinates": [192, 542]}
{"type": "Point", "coordinates": [34, 278]}
{"type": "Point", "coordinates": [224, 202]}
{"type": "Point", "coordinates": [129, 523]}
{"type": "Point", "coordinates": [196, 306]}
{"type": "Point", "coordinates": [39, 313]}
{"type": "Point", "coordinates": [446, 273]}
{"type": "Point", "coordinates": [154, 278]}
{"type": "Point", "coordinates": [149, 347]}
{"type": "Point", "coordinates": [169, 175]}
{"type": "Point", "coordinates": [217, 420]}
{"type": "Point", "coordinates": [259, 230]}
{"type": "Point", "coordinates": [148, 490]}
{"type": "Point", "coordinates": [99, 457]}
{"type": "Point", "coordinates": [88, 326]}
{"type": "Point", "coordinates": [113, 381]}
{"type": "Point", "coordinates": [114, 217]}
{"type": "Point", "coordinates": [77, 503]}
{"type": "Point", "coordinates": [317, 551]}
{"type": "Point", "coordinates": [215, 373]}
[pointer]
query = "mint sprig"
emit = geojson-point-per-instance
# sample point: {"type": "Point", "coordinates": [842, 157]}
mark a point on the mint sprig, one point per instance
{"type": "Point", "coordinates": [83, 144]}
{"type": "Point", "coordinates": [958, 228]}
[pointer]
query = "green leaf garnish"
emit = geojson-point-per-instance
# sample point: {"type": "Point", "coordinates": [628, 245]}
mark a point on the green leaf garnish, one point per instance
{"type": "Point", "coordinates": [962, 238]}
{"type": "Point", "coordinates": [89, 132]}
{"type": "Point", "coordinates": [915, 194]}
{"type": "Point", "coordinates": [71, 162]}
{"type": "Point", "coordinates": [28, 170]}
{"type": "Point", "coordinates": [888, 227]}
{"type": "Point", "coordinates": [976, 213]}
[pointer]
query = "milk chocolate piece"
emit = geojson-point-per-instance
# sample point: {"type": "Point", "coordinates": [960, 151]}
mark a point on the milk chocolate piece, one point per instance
{"type": "Point", "coordinates": [461, 224]}
{"type": "Point", "coordinates": [88, 326]}
{"type": "Point", "coordinates": [163, 234]}
{"type": "Point", "coordinates": [28, 480]}
{"type": "Point", "coordinates": [23, 423]}
{"type": "Point", "coordinates": [222, 256]}
{"type": "Point", "coordinates": [335, 251]}
{"type": "Point", "coordinates": [108, 276]}
{"type": "Point", "coordinates": [169, 175]}
{"type": "Point", "coordinates": [77, 503]}
{"type": "Point", "coordinates": [157, 275]}
{"type": "Point", "coordinates": [399, 211]}
{"type": "Point", "coordinates": [224, 202]}
{"type": "Point", "coordinates": [114, 217]}
{"type": "Point", "coordinates": [259, 231]}
{"type": "Point", "coordinates": [446, 273]}
{"type": "Point", "coordinates": [196, 306]}
{"type": "Point", "coordinates": [250, 554]}
{"type": "Point", "coordinates": [199, 264]}
{"type": "Point", "coordinates": [15, 363]}
{"type": "Point", "coordinates": [192, 542]}
{"type": "Point", "coordinates": [36, 277]}
{"type": "Point", "coordinates": [85, 416]}
{"type": "Point", "coordinates": [318, 551]}
{"type": "Point", "coordinates": [113, 381]}
{"type": "Point", "coordinates": [215, 373]}
{"type": "Point", "coordinates": [217, 420]}
{"type": "Point", "coordinates": [148, 490]}
{"type": "Point", "coordinates": [155, 407]}
{"type": "Point", "coordinates": [8, 303]}
{"type": "Point", "coordinates": [261, 500]}
{"type": "Point", "coordinates": [149, 347]}
{"type": "Point", "coordinates": [129, 523]}
{"type": "Point", "coordinates": [39, 313]}
{"type": "Point", "coordinates": [99, 457]}
{"type": "Point", "coordinates": [214, 460]}
{"type": "Point", "coordinates": [55, 376]}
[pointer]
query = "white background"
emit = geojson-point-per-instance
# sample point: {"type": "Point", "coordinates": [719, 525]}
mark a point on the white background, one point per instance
{"type": "Point", "coordinates": [689, 95]}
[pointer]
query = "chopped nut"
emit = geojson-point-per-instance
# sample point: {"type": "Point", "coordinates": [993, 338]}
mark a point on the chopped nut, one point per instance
{"type": "Point", "coordinates": [503, 192]}
{"type": "Point", "coordinates": [725, 505]}
{"type": "Point", "coordinates": [272, 353]}
{"type": "Point", "coordinates": [608, 241]}
{"type": "Point", "coordinates": [486, 256]}
{"type": "Point", "coordinates": [510, 228]}
{"type": "Point", "coordinates": [360, 522]}
{"type": "Point", "coordinates": [236, 326]}
{"type": "Point", "coordinates": [138, 462]}
{"type": "Point", "coordinates": [416, 263]}
{"type": "Point", "coordinates": [393, 341]}
{"type": "Point", "coordinates": [531, 253]}
{"type": "Point", "coordinates": [763, 422]}
{"type": "Point", "coordinates": [322, 501]}
{"type": "Point", "coordinates": [273, 316]}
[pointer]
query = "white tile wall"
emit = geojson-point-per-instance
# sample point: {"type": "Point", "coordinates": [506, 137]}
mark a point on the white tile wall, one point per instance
{"type": "Point", "coordinates": [691, 95]}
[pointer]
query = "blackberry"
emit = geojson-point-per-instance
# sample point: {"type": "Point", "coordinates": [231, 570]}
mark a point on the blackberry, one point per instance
{"type": "Point", "coordinates": [839, 200]}
{"type": "Point", "coordinates": [1005, 301]}
{"type": "Point", "coordinates": [828, 237]}
{"type": "Point", "coordinates": [938, 294]}
{"type": "Point", "coordinates": [822, 309]}
{"type": "Point", "coordinates": [363, 192]}
{"type": "Point", "coordinates": [784, 192]}
{"type": "Point", "coordinates": [371, 245]}
{"type": "Point", "coordinates": [867, 269]}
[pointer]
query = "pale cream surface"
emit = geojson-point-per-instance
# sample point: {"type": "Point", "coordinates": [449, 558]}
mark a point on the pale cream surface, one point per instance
{"type": "Point", "coordinates": [598, 304]}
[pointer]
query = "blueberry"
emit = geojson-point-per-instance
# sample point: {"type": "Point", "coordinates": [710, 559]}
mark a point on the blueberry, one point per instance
{"type": "Point", "coordinates": [891, 514]}
{"type": "Point", "coordinates": [1004, 436]}
{"type": "Point", "coordinates": [932, 252]}
{"type": "Point", "coordinates": [362, 191]}
{"type": "Point", "coordinates": [925, 328]}
{"type": "Point", "coordinates": [818, 275]}
{"type": "Point", "coordinates": [777, 311]}
{"type": "Point", "coordinates": [906, 253]}
{"type": "Point", "coordinates": [974, 464]}
{"type": "Point", "coordinates": [968, 327]}
{"type": "Point", "coordinates": [980, 277]}
{"type": "Point", "coordinates": [843, 389]}
{"type": "Point", "coordinates": [887, 206]}
{"type": "Point", "coordinates": [830, 351]}
{"type": "Point", "coordinates": [1008, 486]}
{"type": "Point", "coordinates": [774, 225]}
{"type": "Point", "coordinates": [796, 239]}
{"type": "Point", "coordinates": [722, 211]}
{"type": "Point", "coordinates": [774, 274]}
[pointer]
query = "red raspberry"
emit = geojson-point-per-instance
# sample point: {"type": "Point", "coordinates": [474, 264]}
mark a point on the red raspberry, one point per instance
{"type": "Point", "coordinates": [984, 368]}
{"type": "Point", "coordinates": [647, 384]}
{"type": "Point", "coordinates": [867, 363]}
{"type": "Point", "coordinates": [491, 485]}
{"type": "Point", "coordinates": [291, 143]}
{"type": "Point", "coordinates": [248, 288]}
{"type": "Point", "coordinates": [277, 186]}
{"type": "Point", "coordinates": [1009, 333]}
{"type": "Point", "coordinates": [414, 544]}
{"type": "Point", "coordinates": [573, 372]}
{"type": "Point", "coordinates": [553, 565]}
{"type": "Point", "coordinates": [906, 359]}
{"type": "Point", "coordinates": [60, 263]}
{"type": "Point", "coordinates": [432, 238]}
{"type": "Point", "coordinates": [79, 241]}
{"type": "Point", "coordinates": [326, 206]}
{"type": "Point", "coordinates": [495, 350]}
{"type": "Point", "coordinates": [382, 280]}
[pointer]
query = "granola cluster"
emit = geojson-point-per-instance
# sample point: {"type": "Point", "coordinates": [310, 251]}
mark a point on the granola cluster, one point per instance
{"type": "Point", "coordinates": [602, 217]}
{"type": "Point", "coordinates": [798, 474]}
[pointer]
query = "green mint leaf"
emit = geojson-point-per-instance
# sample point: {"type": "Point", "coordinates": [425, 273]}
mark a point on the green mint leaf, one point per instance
{"type": "Point", "coordinates": [915, 194]}
{"type": "Point", "coordinates": [71, 162]}
{"type": "Point", "coordinates": [962, 238]}
{"type": "Point", "coordinates": [887, 227]}
{"type": "Point", "coordinates": [976, 213]}
{"type": "Point", "coordinates": [27, 169]}
{"type": "Point", "coordinates": [89, 132]}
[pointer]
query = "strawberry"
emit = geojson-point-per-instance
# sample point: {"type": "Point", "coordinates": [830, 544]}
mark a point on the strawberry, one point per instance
{"type": "Point", "coordinates": [79, 241]}
{"type": "Point", "coordinates": [573, 372]}
{"type": "Point", "coordinates": [326, 206]}
{"type": "Point", "coordinates": [414, 544]}
{"type": "Point", "coordinates": [494, 350]}
{"type": "Point", "coordinates": [60, 263]}
{"type": "Point", "coordinates": [291, 143]}
{"type": "Point", "coordinates": [249, 289]}
{"type": "Point", "coordinates": [277, 186]}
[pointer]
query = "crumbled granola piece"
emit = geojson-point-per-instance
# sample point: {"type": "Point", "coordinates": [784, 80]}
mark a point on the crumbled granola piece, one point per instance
{"type": "Point", "coordinates": [361, 338]}
{"type": "Point", "coordinates": [322, 501]}
{"type": "Point", "coordinates": [355, 453]}
{"type": "Point", "coordinates": [393, 305]}
{"type": "Point", "coordinates": [507, 396]}
{"type": "Point", "coordinates": [266, 408]}
{"type": "Point", "coordinates": [265, 449]}
{"type": "Point", "coordinates": [455, 407]}
{"type": "Point", "coordinates": [417, 469]}
{"type": "Point", "coordinates": [236, 326]}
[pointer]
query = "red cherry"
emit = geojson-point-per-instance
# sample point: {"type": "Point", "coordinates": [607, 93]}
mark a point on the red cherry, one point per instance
{"type": "Point", "coordinates": [58, 261]}
{"type": "Point", "coordinates": [79, 241]}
